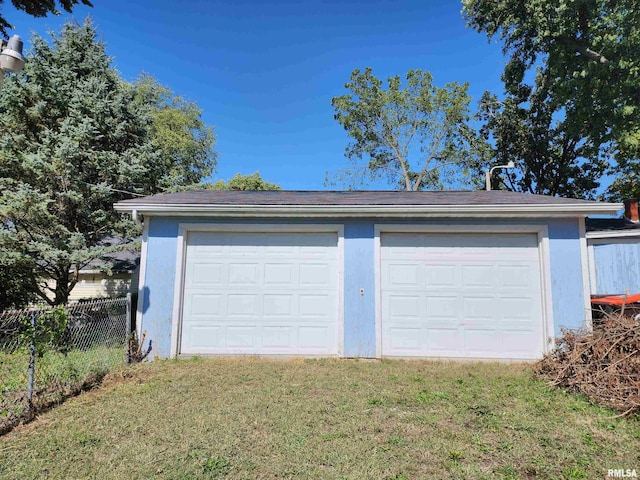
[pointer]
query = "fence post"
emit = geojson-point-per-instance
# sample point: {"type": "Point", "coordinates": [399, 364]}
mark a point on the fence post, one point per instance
{"type": "Point", "coordinates": [127, 338]}
{"type": "Point", "coordinates": [32, 363]}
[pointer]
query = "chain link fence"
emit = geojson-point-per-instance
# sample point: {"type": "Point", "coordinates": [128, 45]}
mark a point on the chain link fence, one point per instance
{"type": "Point", "coordinates": [47, 354]}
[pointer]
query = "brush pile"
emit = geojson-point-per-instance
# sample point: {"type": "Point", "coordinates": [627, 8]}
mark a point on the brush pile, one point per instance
{"type": "Point", "coordinates": [604, 364]}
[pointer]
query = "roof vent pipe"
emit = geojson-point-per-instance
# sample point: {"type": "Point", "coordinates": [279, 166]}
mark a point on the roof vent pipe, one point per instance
{"type": "Point", "coordinates": [631, 209]}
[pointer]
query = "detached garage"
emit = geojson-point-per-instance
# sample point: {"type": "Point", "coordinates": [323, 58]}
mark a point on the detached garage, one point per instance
{"type": "Point", "coordinates": [485, 275]}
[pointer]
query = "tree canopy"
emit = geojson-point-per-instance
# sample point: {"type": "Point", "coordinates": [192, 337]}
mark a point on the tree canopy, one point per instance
{"type": "Point", "coordinates": [253, 182]}
{"type": "Point", "coordinates": [415, 136]}
{"type": "Point", "coordinates": [582, 58]}
{"type": "Point", "coordinates": [39, 8]}
{"type": "Point", "coordinates": [77, 139]}
{"type": "Point", "coordinates": [552, 156]}
{"type": "Point", "coordinates": [182, 140]}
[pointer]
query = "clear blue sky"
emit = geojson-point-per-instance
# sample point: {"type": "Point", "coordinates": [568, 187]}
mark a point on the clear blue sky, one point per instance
{"type": "Point", "coordinates": [264, 73]}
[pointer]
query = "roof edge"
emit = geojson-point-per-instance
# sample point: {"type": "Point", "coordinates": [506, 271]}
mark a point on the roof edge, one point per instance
{"type": "Point", "coordinates": [471, 210]}
{"type": "Point", "coordinates": [613, 234]}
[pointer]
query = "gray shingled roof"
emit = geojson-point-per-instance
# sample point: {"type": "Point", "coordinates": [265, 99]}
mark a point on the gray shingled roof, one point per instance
{"type": "Point", "coordinates": [353, 198]}
{"type": "Point", "coordinates": [123, 261]}
{"type": "Point", "coordinates": [610, 224]}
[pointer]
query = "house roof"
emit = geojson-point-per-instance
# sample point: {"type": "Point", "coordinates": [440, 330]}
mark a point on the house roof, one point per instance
{"type": "Point", "coordinates": [361, 203]}
{"type": "Point", "coordinates": [611, 227]}
{"type": "Point", "coordinates": [610, 224]}
{"type": "Point", "coordinates": [123, 261]}
{"type": "Point", "coordinates": [125, 258]}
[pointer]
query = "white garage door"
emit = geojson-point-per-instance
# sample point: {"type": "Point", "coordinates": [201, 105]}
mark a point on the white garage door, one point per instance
{"type": "Point", "coordinates": [461, 295]}
{"type": "Point", "coordinates": [260, 293]}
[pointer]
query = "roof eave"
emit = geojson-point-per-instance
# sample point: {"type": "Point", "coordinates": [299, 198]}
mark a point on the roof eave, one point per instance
{"type": "Point", "coordinates": [613, 234]}
{"type": "Point", "coordinates": [475, 210]}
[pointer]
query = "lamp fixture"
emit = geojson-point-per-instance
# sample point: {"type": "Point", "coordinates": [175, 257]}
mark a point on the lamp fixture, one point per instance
{"type": "Point", "coordinates": [489, 171]}
{"type": "Point", "coordinates": [11, 59]}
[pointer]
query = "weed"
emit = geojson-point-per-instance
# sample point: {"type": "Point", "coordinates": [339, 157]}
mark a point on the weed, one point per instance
{"type": "Point", "coordinates": [574, 473]}
{"type": "Point", "coordinates": [216, 466]}
{"type": "Point", "coordinates": [455, 455]}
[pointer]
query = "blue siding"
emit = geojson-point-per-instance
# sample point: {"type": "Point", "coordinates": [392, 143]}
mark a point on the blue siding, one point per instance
{"type": "Point", "coordinates": [566, 275]}
{"type": "Point", "coordinates": [359, 310]}
{"type": "Point", "coordinates": [359, 273]}
{"type": "Point", "coordinates": [157, 292]}
{"type": "Point", "coordinates": [617, 266]}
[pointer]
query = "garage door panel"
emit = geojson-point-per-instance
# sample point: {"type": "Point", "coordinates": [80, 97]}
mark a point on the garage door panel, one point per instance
{"type": "Point", "coordinates": [205, 274]}
{"type": "Point", "coordinates": [316, 306]}
{"type": "Point", "coordinates": [316, 274]}
{"type": "Point", "coordinates": [514, 276]}
{"type": "Point", "coordinates": [316, 338]}
{"type": "Point", "coordinates": [475, 276]}
{"type": "Point", "coordinates": [481, 342]}
{"type": "Point", "coordinates": [278, 274]}
{"type": "Point", "coordinates": [403, 274]}
{"type": "Point", "coordinates": [204, 304]}
{"type": "Point", "coordinates": [478, 308]}
{"type": "Point", "coordinates": [441, 276]}
{"type": "Point", "coordinates": [442, 308]}
{"type": "Point", "coordinates": [404, 306]}
{"type": "Point", "coordinates": [277, 337]}
{"type": "Point", "coordinates": [442, 342]}
{"type": "Point", "coordinates": [204, 336]}
{"type": "Point", "coordinates": [465, 293]}
{"type": "Point", "coordinates": [243, 305]}
{"type": "Point", "coordinates": [243, 274]}
{"type": "Point", "coordinates": [279, 305]}
{"type": "Point", "coordinates": [254, 292]}
{"type": "Point", "coordinates": [407, 340]}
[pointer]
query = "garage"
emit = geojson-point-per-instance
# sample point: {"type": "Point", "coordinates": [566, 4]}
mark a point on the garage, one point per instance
{"type": "Point", "coordinates": [461, 295]}
{"type": "Point", "coordinates": [261, 292]}
{"type": "Point", "coordinates": [361, 274]}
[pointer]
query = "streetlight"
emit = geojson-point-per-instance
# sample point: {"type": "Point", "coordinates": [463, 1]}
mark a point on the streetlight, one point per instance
{"type": "Point", "coordinates": [489, 171]}
{"type": "Point", "coordinates": [11, 59]}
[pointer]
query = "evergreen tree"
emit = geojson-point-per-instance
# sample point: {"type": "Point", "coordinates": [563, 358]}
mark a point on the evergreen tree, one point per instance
{"type": "Point", "coordinates": [76, 138]}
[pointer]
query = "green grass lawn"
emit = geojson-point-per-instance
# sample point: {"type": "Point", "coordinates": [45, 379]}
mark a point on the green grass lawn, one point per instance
{"type": "Point", "coordinates": [55, 373]}
{"type": "Point", "coordinates": [229, 418]}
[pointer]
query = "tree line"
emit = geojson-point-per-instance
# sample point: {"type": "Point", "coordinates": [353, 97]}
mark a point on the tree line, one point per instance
{"type": "Point", "coordinates": [77, 138]}
{"type": "Point", "coordinates": [568, 118]}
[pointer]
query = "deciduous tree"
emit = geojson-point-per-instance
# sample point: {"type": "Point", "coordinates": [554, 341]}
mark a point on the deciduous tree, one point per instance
{"type": "Point", "coordinates": [588, 53]}
{"type": "Point", "coordinates": [415, 136]}
{"type": "Point", "coordinates": [182, 140]}
{"type": "Point", "coordinates": [552, 156]}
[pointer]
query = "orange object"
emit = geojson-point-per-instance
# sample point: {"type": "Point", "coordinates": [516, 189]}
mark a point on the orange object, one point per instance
{"type": "Point", "coordinates": [616, 300]}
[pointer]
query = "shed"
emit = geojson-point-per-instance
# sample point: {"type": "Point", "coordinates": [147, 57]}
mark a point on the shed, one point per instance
{"type": "Point", "coordinates": [614, 252]}
{"type": "Point", "coordinates": [449, 274]}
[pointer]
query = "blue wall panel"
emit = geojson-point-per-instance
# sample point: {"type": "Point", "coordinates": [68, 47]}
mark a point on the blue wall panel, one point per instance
{"type": "Point", "coordinates": [157, 292]}
{"type": "Point", "coordinates": [617, 266]}
{"type": "Point", "coordinates": [359, 310]}
{"type": "Point", "coordinates": [566, 274]}
{"type": "Point", "coordinates": [359, 273]}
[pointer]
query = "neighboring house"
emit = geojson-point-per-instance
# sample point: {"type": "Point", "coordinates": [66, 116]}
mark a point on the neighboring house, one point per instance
{"type": "Point", "coordinates": [93, 280]}
{"type": "Point", "coordinates": [362, 274]}
{"type": "Point", "coordinates": [614, 252]}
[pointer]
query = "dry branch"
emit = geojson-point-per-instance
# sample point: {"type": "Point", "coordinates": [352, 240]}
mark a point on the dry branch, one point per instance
{"type": "Point", "coordinates": [604, 364]}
